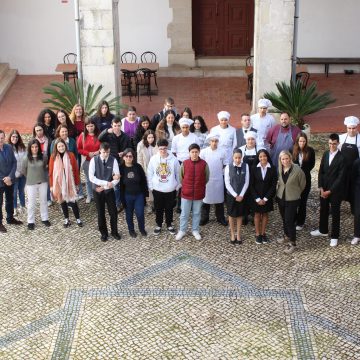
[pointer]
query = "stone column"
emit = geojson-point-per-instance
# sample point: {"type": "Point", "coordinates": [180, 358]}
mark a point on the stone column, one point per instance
{"type": "Point", "coordinates": [97, 43]}
{"type": "Point", "coordinates": [273, 40]}
{"type": "Point", "coordinates": [180, 33]}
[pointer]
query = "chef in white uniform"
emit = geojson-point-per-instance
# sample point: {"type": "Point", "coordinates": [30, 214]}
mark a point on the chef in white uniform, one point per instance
{"type": "Point", "coordinates": [250, 149]}
{"type": "Point", "coordinates": [227, 134]}
{"type": "Point", "coordinates": [262, 122]}
{"type": "Point", "coordinates": [216, 159]}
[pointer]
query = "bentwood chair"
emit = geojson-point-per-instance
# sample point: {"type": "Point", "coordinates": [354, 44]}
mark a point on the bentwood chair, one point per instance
{"type": "Point", "coordinates": [303, 77]}
{"type": "Point", "coordinates": [70, 58]}
{"type": "Point", "coordinates": [143, 79]}
{"type": "Point", "coordinates": [128, 57]}
{"type": "Point", "coordinates": [150, 57]}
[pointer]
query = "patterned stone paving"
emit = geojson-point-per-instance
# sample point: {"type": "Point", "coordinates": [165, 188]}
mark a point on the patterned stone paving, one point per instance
{"type": "Point", "coordinates": [66, 295]}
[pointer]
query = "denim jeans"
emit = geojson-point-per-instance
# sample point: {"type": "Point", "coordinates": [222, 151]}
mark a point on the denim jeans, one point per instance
{"type": "Point", "coordinates": [19, 186]}
{"type": "Point", "coordinates": [135, 203]}
{"type": "Point", "coordinates": [186, 207]}
{"type": "Point", "coordinates": [89, 190]}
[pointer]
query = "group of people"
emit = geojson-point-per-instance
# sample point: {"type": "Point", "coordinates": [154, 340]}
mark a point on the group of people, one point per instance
{"type": "Point", "coordinates": [174, 161]}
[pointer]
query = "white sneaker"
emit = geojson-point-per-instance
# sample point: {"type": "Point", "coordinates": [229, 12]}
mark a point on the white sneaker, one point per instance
{"type": "Point", "coordinates": [317, 233]}
{"type": "Point", "coordinates": [196, 235]}
{"type": "Point", "coordinates": [88, 200]}
{"type": "Point", "coordinates": [299, 228]}
{"type": "Point", "coordinates": [180, 235]}
{"type": "Point", "coordinates": [80, 197]}
{"type": "Point", "coordinates": [16, 213]}
{"type": "Point", "coordinates": [355, 241]}
{"type": "Point", "coordinates": [49, 203]}
{"type": "Point", "coordinates": [333, 242]}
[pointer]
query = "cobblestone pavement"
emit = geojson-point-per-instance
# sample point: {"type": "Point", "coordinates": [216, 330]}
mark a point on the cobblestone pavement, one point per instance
{"type": "Point", "coordinates": [67, 295]}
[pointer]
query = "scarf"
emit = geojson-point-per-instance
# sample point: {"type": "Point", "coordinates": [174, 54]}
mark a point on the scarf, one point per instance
{"type": "Point", "coordinates": [63, 179]}
{"type": "Point", "coordinates": [44, 143]}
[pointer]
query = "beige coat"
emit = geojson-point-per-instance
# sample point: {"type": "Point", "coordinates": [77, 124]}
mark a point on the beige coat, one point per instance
{"type": "Point", "coordinates": [294, 185]}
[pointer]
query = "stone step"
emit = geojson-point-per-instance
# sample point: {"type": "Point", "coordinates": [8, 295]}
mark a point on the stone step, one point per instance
{"type": "Point", "coordinates": [217, 61]}
{"type": "Point", "coordinates": [6, 81]}
{"type": "Point", "coordinates": [4, 67]}
{"type": "Point", "coordinates": [199, 72]}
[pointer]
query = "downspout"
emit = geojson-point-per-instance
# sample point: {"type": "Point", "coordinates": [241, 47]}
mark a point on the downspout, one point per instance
{"type": "Point", "coordinates": [78, 45]}
{"type": "Point", "coordinates": [116, 35]}
{"type": "Point", "coordinates": [295, 38]}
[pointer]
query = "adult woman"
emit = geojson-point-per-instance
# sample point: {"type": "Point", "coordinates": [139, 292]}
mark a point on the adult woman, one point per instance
{"type": "Point", "coordinates": [145, 150]}
{"type": "Point", "coordinates": [130, 123]}
{"type": "Point", "coordinates": [39, 134]}
{"type": "Point", "coordinates": [63, 133]}
{"type": "Point", "coordinates": [63, 119]}
{"type": "Point", "coordinates": [168, 127]}
{"type": "Point", "coordinates": [263, 182]}
{"type": "Point", "coordinates": [186, 113]}
{"type": "Point", "coordinates": [236, 176]}
{"type": "Point", "coordinates": [88, 145]}
{"type": "Point", "coordinates": [77, 117]}
{"type": "Point", "coordinates": [250, 149]}
{"type": "Point", "coordinates": [63, 177]}
{"type": "Point", "coordinates": [144, 124]}
{"type": "Point", "coordinates": [15, 140]}
{"type": "Point", "coordinates": [103, 117]}
{"type": "Point", "coordinates": [291, 183]}
{"type": "Point", "coordinates": [200, 129]}
{"type": "Point", "coordinates": [48, 119]}
{"type": "Point", "coordinates": [35, 170]}
{"type": "Point", "coordinates": [304, 156]}
{"type": "Point", "coordinates": [133, 191]}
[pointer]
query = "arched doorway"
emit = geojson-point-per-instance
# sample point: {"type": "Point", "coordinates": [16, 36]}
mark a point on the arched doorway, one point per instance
{"type": "Point", "coordinates": [222, 27]}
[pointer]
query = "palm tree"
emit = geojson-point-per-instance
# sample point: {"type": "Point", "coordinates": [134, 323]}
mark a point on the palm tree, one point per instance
{"type": "Point", "coordinates": [298, 101]}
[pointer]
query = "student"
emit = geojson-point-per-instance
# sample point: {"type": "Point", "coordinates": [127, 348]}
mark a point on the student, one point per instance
{"type": "Point", "coordinates": [194, 174]}
{"type": "Point", "coordinates": [48, 119]}
{"type": "Point", "coordinates": [200, 129]}
{"type": "Point", "coordinates": [144, 124]}
{"type": "Point", "coordinates": [245, 127]}
{"type": "Point", "coordinates": [168, 127]}
{"type": "Point", "coordinates": [331, 183]}
{"type": "Point", "coordinates": [237, 179]}
{"type": "Point", "coordinates": [129, 124]}
{"type": "Point", "coordinates": [163, 176]}
{"type": "Point", "coordinates": [169, 104]}
{"type": "Point", "coordinates": [62, 118]}
{"type": "Point", "coordinates": [103, 117]}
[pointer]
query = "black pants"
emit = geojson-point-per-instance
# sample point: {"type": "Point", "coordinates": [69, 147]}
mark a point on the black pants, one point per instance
{"type": "Point", "coordinates": [357, 226]}
{"type": "Point", "coordinates": [9, 202]}
{"type": "Point", "coordinates": [301, 213]}
{"type": "Point", "coordinates": [324, 216]}
{"type": "Point", "coordinates": [108, 198]}
{"type": "Point", "coordinates": [74, 206]}
{"type": "Point", "coordinates": [288, 214]}
{"type": "Point", "coordinates": [164, 202]}
{"type": "Point", "coordinates": [219, 212]}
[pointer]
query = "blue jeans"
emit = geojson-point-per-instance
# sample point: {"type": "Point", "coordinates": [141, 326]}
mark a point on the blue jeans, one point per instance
{"type": "Point", "coordinates": [89, 190]}
{"type": "Point", "coordinates": [19, 186]}
{"type": "Point", "coordinates": [117, 195]}
{"type": "Point", "coordinates": [135, 203]}
{"type": "Point", "coordinates": [186, 207]}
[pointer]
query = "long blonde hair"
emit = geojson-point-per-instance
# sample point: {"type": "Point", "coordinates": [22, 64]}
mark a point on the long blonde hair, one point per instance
{"type": "Point", "coordinates": [282, 153]}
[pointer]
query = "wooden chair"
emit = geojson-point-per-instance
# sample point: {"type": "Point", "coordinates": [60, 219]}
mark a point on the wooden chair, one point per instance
{"type": "Point", "coordinates": [249, 93]}
{"type": "Point", "coordinates": [303, 77]}
{"type": "Point", "coordinates": [128, 57]}
{"type": "Point", "coordinates": [250, 61]}
{"type": "Point", "coordinates": [143, 79]}
{"type": "Point", "coordinates": [126, 83]}
{"type": "Point", "coordinates": [70, 58]}
{"type": "Point", "coordinates": [150, 57]}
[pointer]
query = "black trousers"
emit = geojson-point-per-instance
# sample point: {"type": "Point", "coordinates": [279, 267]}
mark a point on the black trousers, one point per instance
{"type": "Point", "coordinates": [9, 202]}
{"type": "Point", "coordinates": [108, 198]}
{"type": "Point", "coordinates": [74, 206]}
{"type": "Point", "coordinates": [357, 226]}
{"type": "Point", "coordinates": [301, 213]}
{"type": "Point", "coordinates": [164, 203]}
{"type": "Point", "coordinates": [219, 211]}
{"type": "Point", "coordinates": [288, 214]}
{"type": "Point", "coordinates": [335, 215]}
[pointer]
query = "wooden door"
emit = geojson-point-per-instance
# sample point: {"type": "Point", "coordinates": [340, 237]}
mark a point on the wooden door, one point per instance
{"type": "Point", "coordinates": [223, 27]}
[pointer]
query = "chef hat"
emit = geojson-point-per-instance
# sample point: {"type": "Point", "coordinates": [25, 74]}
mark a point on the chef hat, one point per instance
{"type": "Point", "coordinates": [212, 137]}
{"type": "Point", "coordinates": [250, 134]}
{"type": "Point", "coordinates": [185, 121]}
{"type": "Point", "coordinates": [264, 103]}
{"type": "Point", "coordinates": [223, 115]}
{"type": "Point", "coordinates": [351, 121]}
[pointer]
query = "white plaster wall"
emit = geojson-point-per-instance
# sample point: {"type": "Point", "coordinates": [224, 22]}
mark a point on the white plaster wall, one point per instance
{"type": "Point", "coordinates": [143, 27]}
{"type": "Point", "coordinates": [36, 34]}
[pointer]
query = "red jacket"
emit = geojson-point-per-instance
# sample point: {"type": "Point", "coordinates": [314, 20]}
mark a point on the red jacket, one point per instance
{"type": "Point", "coordinates": [194, 180]}
{"type": "Point", "coordinates": [91, 144]}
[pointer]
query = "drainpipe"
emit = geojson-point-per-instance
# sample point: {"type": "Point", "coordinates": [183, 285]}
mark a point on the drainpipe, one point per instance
{"type": "Point", "coordinates": [294, 55]}
{"type": "Point", "coordinates": [116, 35]}
{"type": "Point", "coordinates": [77, 35]}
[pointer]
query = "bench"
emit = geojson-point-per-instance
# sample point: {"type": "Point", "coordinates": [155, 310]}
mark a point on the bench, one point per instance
{"type": "Point", "coordinates": [327, 61]}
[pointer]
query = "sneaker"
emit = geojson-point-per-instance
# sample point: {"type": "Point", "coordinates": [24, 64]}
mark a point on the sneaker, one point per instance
{"type": "Point", "coordinates": [14, 221]}
{"type": "Point", "coordinates": [283, 240]}
{"type": "Point", "coordinates": [16, 212]}
{"type": "Point", "coordinates": [290, 249]}
{"type": "Point", "coordinates": [31, 226]}
{"type": "Point", "coordinates": [180, 235]}
{"type": "Point", "coordinates": [46, 223]}
{"type": "Point", "coordinates": [259, 239]}
{"type": "Point", "coordinates": [80, 197]}
{"type": "Point", "coordinates": [49, 203]}
{"type": "Point", "coordinates": [171, 230]}
{"type": "Point", "coordinates": [317, 233]}
{"type": "Point", "coordinates": [333, 242]}
{"type": "Point", "coordinates": [79, 223]}
{"type": "Point", "coordinates": [299, 227]}
{"type": "Point", "coordinates": [2, 228]}
{"type": "Point", "coordinates": [355, 241]}
{"type": "Point", "coordinates": [157, 230]}
{"type": "Point", "coordinates": [66, 223]}
{"type": "Point", "coordinates": [265, 239]}
{"type": "Point", "coordinates": [196, 235]}
{"type": "Point", "coordinates": [88, 200]}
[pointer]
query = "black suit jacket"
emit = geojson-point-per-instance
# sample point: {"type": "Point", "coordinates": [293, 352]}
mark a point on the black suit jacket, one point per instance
{"type": "Point", "coordinates": [260, 187]}
{"type": "Point", "coordinates": [332, 177]}
{"type": "Point", "coordinates": [240, 136]}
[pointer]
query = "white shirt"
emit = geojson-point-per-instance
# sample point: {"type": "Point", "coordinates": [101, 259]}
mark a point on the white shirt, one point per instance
{"type": "Point", "coordinates": [263, 174]}
{"type": "Point", "coordinates": [100, 182]}
{"type": "Point", "coordinates": [331, 156]}
{"type": "Point", "coordinates": [228, 186]}
{"type": "Point", "coordinates": [180, 145]}
{"type": "Point", "coordinates": [262, 125]}
{"type": "Point", "coordinates": [227, 140]}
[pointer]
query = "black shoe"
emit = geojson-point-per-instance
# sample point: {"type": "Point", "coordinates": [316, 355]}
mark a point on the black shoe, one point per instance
{"type": "Point", "coordinates": [239, 242]}
{"type": "Point", "coordinates": [46, 223]}
{"type": "Point", "coordinates": [132, 233]}
{"type": "Point", "coordinates": [157, 230]}
{"type": "Point", "coordinates": [31, 226]}
{"type": "Point", "coordinates": [265, 239]}
{"type": "Point", "coordinates": [259, 239]}
{"type": "Point", "coordinates": [79, 223]}
{"type": "Point", "coordinates": [2, 228]}
{"type": "Point", "coordinates": [66, 223]}
{"type": "Point", "coordinates": [13, 221]}
{"type": "Point", "coordinates": [171, 230]}
{"type": "Point", "coordinates": [143, 232]}
{"type": "Point", "coordinates": [233, 242]}
{"type": "Point", "coordinates": [203, 222]}
{"type": "Point", "coordinates": [116, 236]}
{"type": "Point", "coordinates": [104, 237]}
{"type": "Point", "coordinates": [120, 208]}
{"type": "Point", "coordinates": [223, 222]}
{"type": "Point", "coordinates": [178, 210]}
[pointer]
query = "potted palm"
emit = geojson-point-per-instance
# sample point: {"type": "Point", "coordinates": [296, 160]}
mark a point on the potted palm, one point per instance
{"type": "Point", "coordinates": [298, 101]}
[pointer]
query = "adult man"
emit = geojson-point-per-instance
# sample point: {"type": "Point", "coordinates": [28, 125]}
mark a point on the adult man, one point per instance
{"type": "Point", "coordinates": [281, 137]}
{"type": "Point", "coordinates": [118, 142]}
{"type": "Point", "coordinates": [214, 194]}
{"type": "Point", "coordinates": [104, 175]}
{"type": "Point", "coordinates": [245, 127]}
{"type": "Point", "coordinates": [169, 104]}
{"type": "Point", "coordinates": [7, 177]}
{"type": "Point", "coordinates": [331, 186]}
{"type": "Point", "coordinates": [262, 121]}
{"type": "Point", "coordinates": [350, 148]}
